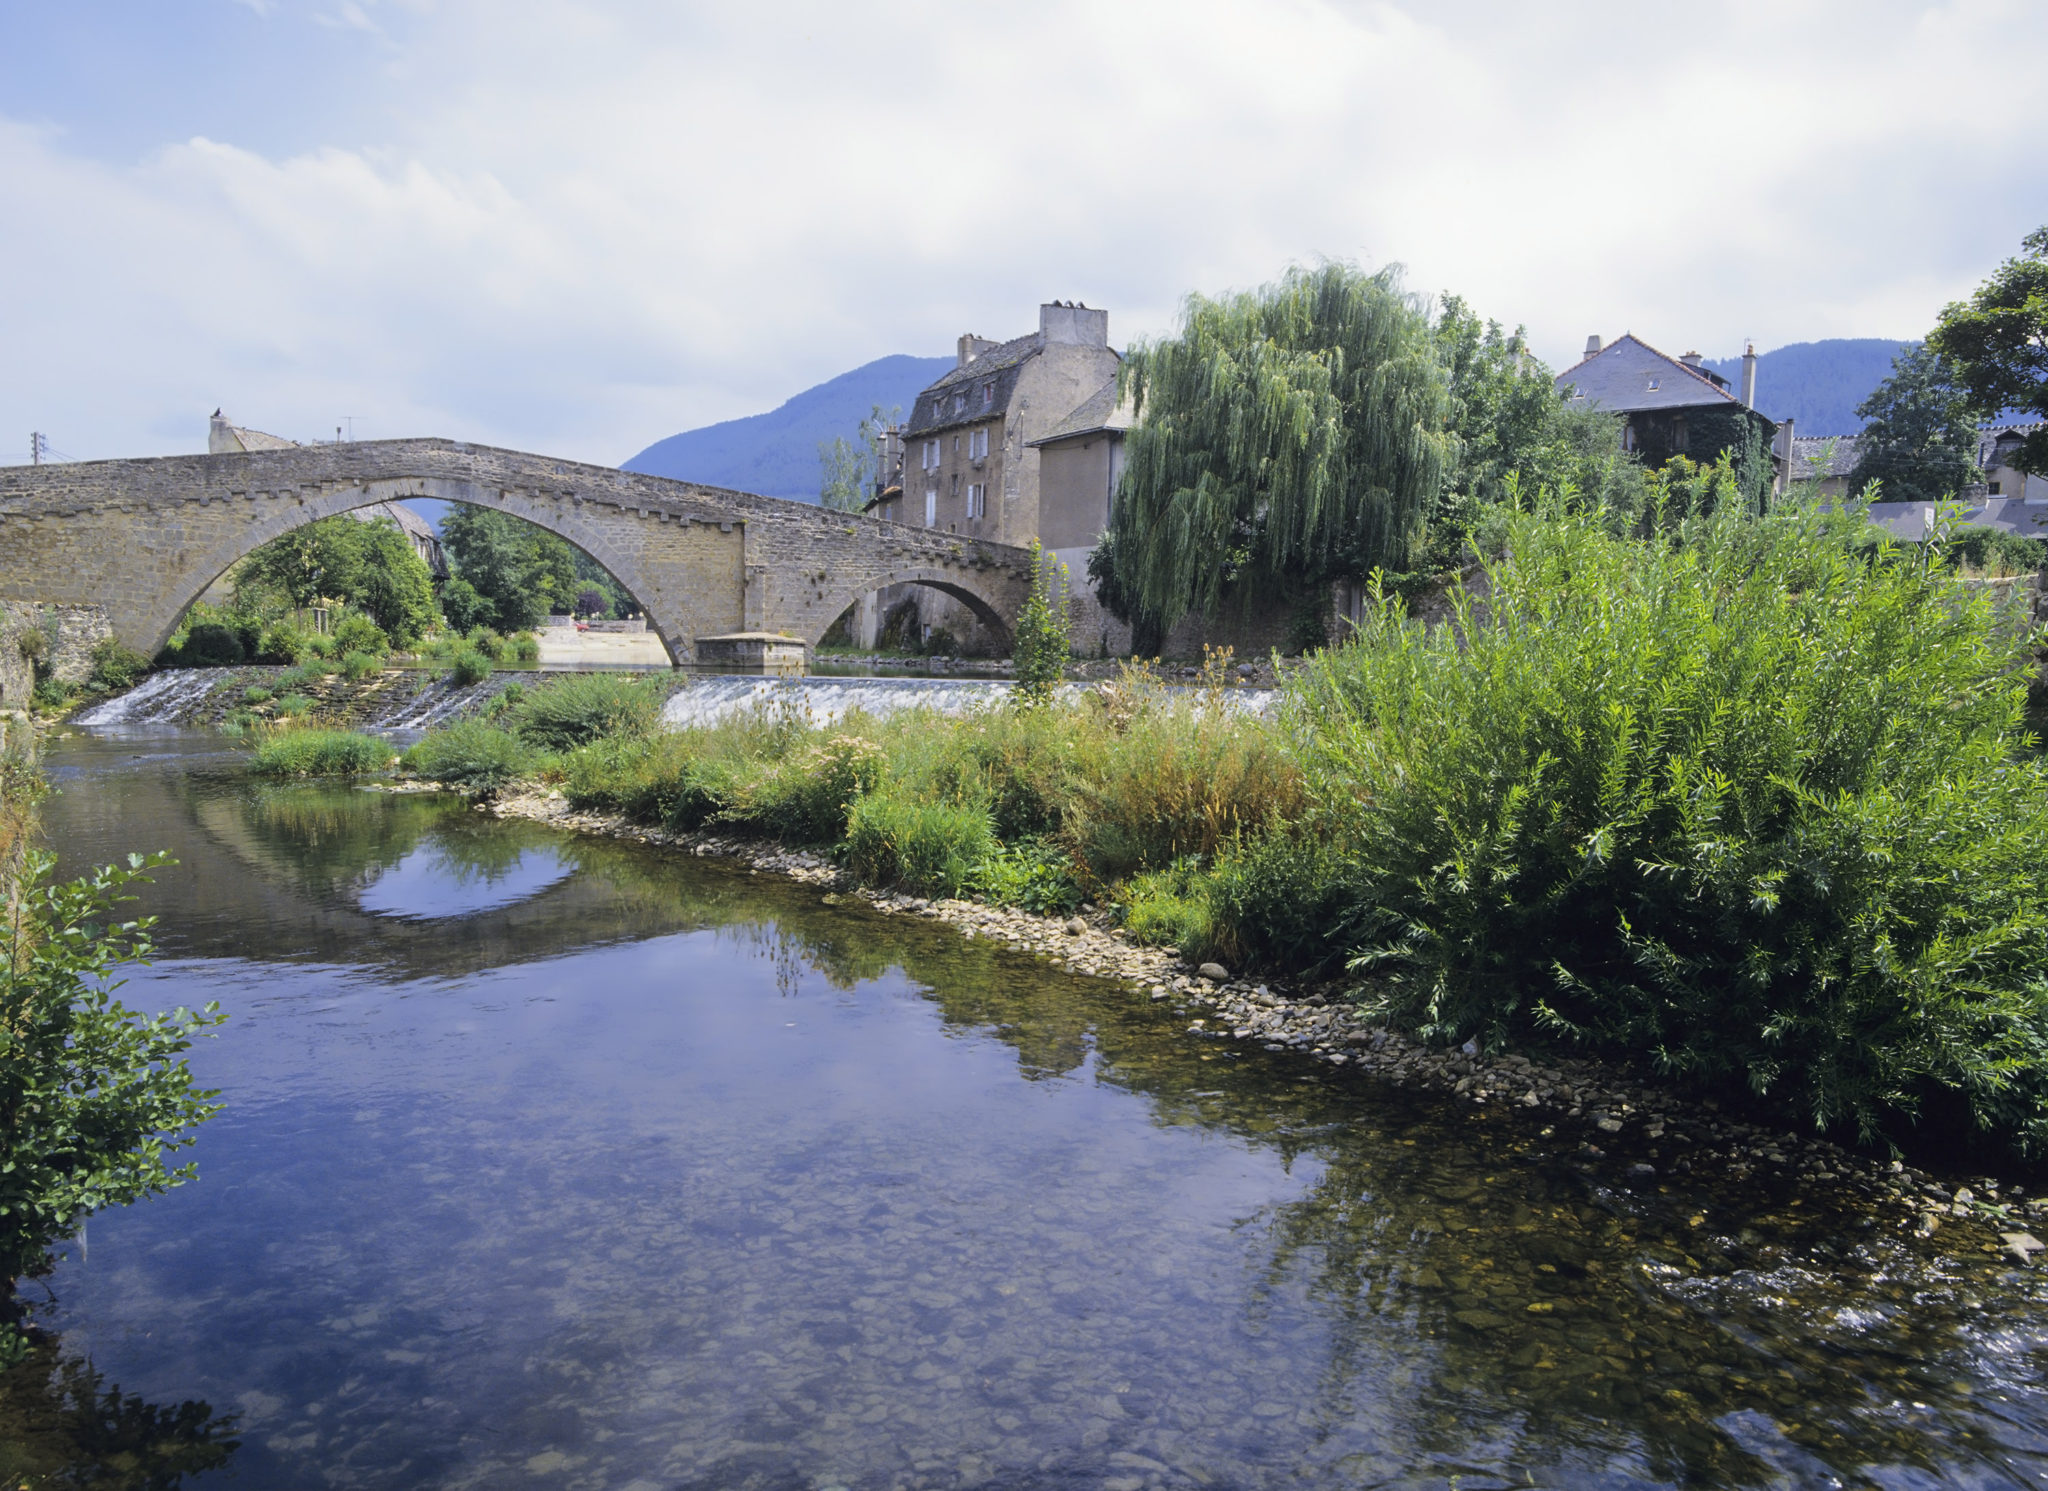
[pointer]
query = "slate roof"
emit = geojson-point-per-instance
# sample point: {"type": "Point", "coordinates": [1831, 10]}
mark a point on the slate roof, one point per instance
{"type": "Point", "coordinates": [1099, 411]}
{"type": "Point", "coordinates": [1811, 460]}
{"type": "Point", "coordinates": [934, 407]}
{"type": "Point", "coordinates": [1628, 375]}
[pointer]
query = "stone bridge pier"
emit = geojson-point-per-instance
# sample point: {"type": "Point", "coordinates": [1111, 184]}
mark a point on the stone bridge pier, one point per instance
{"type": "Point", "coordinates": [136, 542]}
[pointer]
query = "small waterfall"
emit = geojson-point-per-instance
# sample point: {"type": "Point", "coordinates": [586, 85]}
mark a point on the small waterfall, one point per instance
{"type": "Point", "coordinates": [166, 698]}
{"type": "Point", "coordinates": [828, 699]}
{"type": "Point", "coordinates": [426, 709]}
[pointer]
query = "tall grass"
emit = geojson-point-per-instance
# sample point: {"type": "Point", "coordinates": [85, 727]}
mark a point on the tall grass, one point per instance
{"type": "Point", "coordinates": [321, 753]}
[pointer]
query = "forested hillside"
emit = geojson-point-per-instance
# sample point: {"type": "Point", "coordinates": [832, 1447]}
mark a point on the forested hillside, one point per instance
{"type": "Point", "coordinates": [1816, 384]}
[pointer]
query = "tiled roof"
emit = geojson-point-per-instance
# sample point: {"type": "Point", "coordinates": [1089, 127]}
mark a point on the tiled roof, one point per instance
{"type": "Point", "coordinates": [1099, 411]}
{"type": "Point", "coordinates": [1628, 374]}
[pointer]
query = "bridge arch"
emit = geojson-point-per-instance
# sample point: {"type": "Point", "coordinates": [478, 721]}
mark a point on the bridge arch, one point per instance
{"type": "Point", "coordinates": [230, 549]}
{"type": "Point", "coordinates": [988, 609]}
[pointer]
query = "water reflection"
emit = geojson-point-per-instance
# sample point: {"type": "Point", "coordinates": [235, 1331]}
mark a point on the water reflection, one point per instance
{"type": "Point", "coordinates": [670, 1175]}
{"type": "Point", "coordinates": [438, 880]}
{"type": "Point", "coordinates": [63, 1424]}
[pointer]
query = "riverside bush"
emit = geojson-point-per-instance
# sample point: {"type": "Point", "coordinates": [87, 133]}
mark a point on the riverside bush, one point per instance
{"type": "Point", "coordinates": [929, 848]}
{"type": "Point", "coordinates": [321, 753]}
{"type": "Point", "coordinates": [582, 707]}
{"type": "Point", "coordinates": [807, 798]}
{"type": "Point", "coordinates": [476, 757]}
{"type": "Point", "coordinates": [1741, 802]}
{"type": "Point", "coordinates": [469, 666]}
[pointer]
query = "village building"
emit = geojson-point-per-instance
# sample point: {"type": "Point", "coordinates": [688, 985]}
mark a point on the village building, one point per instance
{"type": "Point", "coordinates": [1676, 406]}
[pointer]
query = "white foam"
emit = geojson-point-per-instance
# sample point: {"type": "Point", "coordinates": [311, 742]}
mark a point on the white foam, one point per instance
{"type": "Point", "coordinates": [160, 699]}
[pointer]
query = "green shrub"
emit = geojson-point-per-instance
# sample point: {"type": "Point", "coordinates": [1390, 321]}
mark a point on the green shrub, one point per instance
{"type": "Point", "coordinates": [928, 848]}
{"type": "Point", "coordinates": [51, 693]}
{"type": "Point", "coordinates": [1994, 551]}
{"type": "Point", "coordinates": [292, 706]}
{"type": "Point", "coordinates": [354, 633]}
{"type": "Point", "coordinates": [97, 1095]}
{"type": "Point", "coordinates": [469, 667]}
{"type": "Point", "coordinates": [1034, 874]}
{"type": "Point", "coordinates": [1741, 803]}
{"type": "Point", "coordinates": [521, 647]}
{"type": "Point", "coordinates": [488, 642]}
{"type": "Point", "coordinates": [356, 666]}
{"type": "Point", "coordinates": [293, 679]}
{"type": "Point", "coordinates": [581, 707]}
{"type": "Point", "coordinates": [473, 756]}
{"type": "Point", "coordinates": [284, 643]}
{"type": "Point", "coordinates": [1170, 908]}
{"type": "Point", "coordinates": [255, 693]}
{"type": "Point", "coordinates": [115, 665]}
{"type": "Point", "coordinates": [321, 753]}
{"type": "Point", "coordinates": [806, 798]}
{"type": "Point", "coordinates": [211, 644]}
{"type": "Point", "coordinates": [1040, 644]}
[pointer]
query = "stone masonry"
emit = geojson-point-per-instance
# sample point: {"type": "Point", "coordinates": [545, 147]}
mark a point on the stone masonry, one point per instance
{"type": "Point", "coordinates": [141, 539]}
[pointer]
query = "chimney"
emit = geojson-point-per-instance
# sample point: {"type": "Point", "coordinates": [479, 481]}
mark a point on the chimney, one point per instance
{"type": "Point", "coordinates": [1749, 375]}
{"type": "Point", "coordinates": [971, 347]}
{"type": "Point", "coordinates": [1691, 359]}
{"type": "Point", "coordinates": [1592, 346]}
{"type": "Point", "coordinates": [1072, 324]}
{"type": "Point", "coordinates": [220, 436]}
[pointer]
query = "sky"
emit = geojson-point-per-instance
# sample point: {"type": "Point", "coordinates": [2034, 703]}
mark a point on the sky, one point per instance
{"type": "Point", "coordinates": [575, 228]}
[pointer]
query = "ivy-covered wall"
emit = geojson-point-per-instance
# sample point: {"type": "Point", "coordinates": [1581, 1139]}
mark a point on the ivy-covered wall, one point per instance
{"type": "Point", "coordinates": [1707, 431]}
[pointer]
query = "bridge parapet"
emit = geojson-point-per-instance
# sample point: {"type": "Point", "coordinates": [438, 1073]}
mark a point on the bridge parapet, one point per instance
{"type": "Point", "coordinates": [141, 539]}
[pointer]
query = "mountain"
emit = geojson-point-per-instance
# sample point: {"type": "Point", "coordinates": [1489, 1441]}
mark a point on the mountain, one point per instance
{"type": "Point", "coordinates": [776, 454]}
{"type": "Point", "coordinates": [1817, 384]}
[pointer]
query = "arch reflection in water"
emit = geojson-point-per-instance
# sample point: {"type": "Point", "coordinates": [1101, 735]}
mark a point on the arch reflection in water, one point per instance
{"type": "Point", "coordinates": [435, 880]}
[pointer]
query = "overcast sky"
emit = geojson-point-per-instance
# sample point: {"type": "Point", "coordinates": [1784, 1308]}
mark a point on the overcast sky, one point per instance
{"type": "Point", "coordinates": [575, 228]}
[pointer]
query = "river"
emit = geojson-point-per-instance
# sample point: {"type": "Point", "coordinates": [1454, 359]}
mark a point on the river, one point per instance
{"type": "Point", "coordinates": [556, 1162]}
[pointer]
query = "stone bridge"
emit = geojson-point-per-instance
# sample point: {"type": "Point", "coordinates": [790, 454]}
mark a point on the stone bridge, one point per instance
{"type": "Point", "coordinates": [138, 541]}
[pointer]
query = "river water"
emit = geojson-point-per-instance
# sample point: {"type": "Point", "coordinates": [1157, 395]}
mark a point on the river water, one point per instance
{"type": "Point", "coordinates": [556, 1162]}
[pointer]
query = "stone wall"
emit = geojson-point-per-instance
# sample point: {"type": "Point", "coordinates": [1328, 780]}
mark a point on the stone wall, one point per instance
{"type": "Point", "coordinates": [142, 539]}
{"type": "Point", "coordinates": [17, 674]}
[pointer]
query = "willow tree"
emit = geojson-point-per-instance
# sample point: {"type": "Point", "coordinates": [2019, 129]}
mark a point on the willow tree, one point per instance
{"type": "Point", "coordinates": [1288, 437]}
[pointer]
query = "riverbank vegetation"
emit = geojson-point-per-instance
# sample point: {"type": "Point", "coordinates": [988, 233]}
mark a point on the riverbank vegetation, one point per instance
{"type": "Point", "coordinates": [95, 1097]}
{"type": "Point", "coordinates": [1747, 799]}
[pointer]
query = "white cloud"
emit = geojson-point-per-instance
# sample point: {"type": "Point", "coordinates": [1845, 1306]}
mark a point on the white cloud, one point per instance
{"type": "Point", "coordinates": [579, 227]}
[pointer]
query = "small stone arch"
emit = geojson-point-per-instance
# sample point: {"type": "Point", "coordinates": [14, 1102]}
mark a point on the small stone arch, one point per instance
{"type": "Point", "coordinates": [590, 537]}
{"type": "Point", "coordinates": [987, 609]}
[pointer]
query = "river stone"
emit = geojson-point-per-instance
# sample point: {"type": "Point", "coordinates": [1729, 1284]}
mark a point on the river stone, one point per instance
{"type": "Point", "coordinates": [1215, 973]}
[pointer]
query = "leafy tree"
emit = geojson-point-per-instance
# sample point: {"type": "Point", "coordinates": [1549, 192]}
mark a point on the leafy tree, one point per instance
{"type": "Point", "coordinates": [1997, 343]}
{"type": "Point", "coordinates": [521, 572]}
{"type": "Point", "coordinates": [592, 602]}
{"type": "Point", "coordinates": [93, 1095]}
{"type": "Point", "coordinates": [1039, 646]}
{"type": "Point", "coordinates": [849, 467]}
{"type": "Point", "coordinates": [371, 566]}
{"type": "Point", "coordinates": [592, 575]}
{"type": "Point", "coordinates": [1288, 436]}
{"type": "Point", "coordinates": [1919, 439]}
{"type": "Point", "coordinates": [464, 607]}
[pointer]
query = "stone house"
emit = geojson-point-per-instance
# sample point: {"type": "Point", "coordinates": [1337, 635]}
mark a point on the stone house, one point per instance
{"type": "Point", "coordinates": [1675, 406]}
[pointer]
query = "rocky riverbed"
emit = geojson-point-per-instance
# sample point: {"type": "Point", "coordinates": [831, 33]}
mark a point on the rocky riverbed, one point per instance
{"type": "Point", "coordinates": [1612, 1118]}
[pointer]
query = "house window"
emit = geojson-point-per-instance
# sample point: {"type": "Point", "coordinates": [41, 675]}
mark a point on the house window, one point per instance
{"type": "Point", "coordinates": [931, 507]}
{"type": "Point", "coordinates": [959, 403]}
{"type": "Point", "coordinates": [974, 500]}
{"type": "Point", "coordinates": [1628, 437]}
{"type": "Point", "coordinates": [977, 444]}
{"type": "Point", "coordinates": [1994, 489]}
{"type": "Point", "coordinates": [931, 454]}
{"type": "Point", "coordinates": [988, 395]}
{"type": "Point", "coordinates": [1678, 433]}
{"type": "Point", "coordinates": [1653, 385]}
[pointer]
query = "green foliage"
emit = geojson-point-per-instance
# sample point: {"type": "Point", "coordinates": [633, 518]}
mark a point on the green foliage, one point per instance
{"type": "Point", "coordinates": [521, 647]}
{"type": "Point", "coordinates": [321, 753]}
{"type": "Point", "coordinates": [1034, 874]}
{"type": "Point", "coordinates": [292, 706]}
{"type": "Point", "coordinates": [94, 1096]}
{"type": "Point", "coordinates": [487, 641]}
{"type": "Point", "coordinates": [1997, 344]}
{"type": "Point", "coordinates": [210, 644]}
{"type": "Point", "coordinates": [51, 693]}
{"type": "Point", "coordinates": [807, 798]}
{"type": "Point", "coordinates": [255, 693]}
{"type": "Point", "coordinates": [1996, 551]}
{"type": "Point", "coordinates": [464, 607]}
{"type": "Point", "coordinates": [356, 633]}
{"type": "Point", "coordinates": [580, 707]}
{"type": "Point", "coordinates": [928, 848]}
{"type": "Point", "coordinates": [1746, 804]}
{"type": "Point", "coordinates": [1287, 437]}
{"type": "Point", "coordinates": [356, 666]}
{"type": "Point", "coordinates": [371, 567]}
{"type": "Point", "coordinates": [476, 757]}
{"type": "Point", "coordinates": [848, 468]}
{"type": "Point", "coordinates": [1919, 439]}
{"type": "Point", "coordinates": [115, 665]}
{"type": "Point", "coordinates": [469, 666]}
{"type": "Point", "coordinates": [1040, 645]}
{"type": "Point", "coordinates": [519, 572]}
{"type": "Point", "coordinates": [1169, 908]}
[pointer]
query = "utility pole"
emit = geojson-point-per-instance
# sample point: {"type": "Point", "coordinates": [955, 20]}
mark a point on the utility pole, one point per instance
{"type": "Point", "coordinates": [38, 447]}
